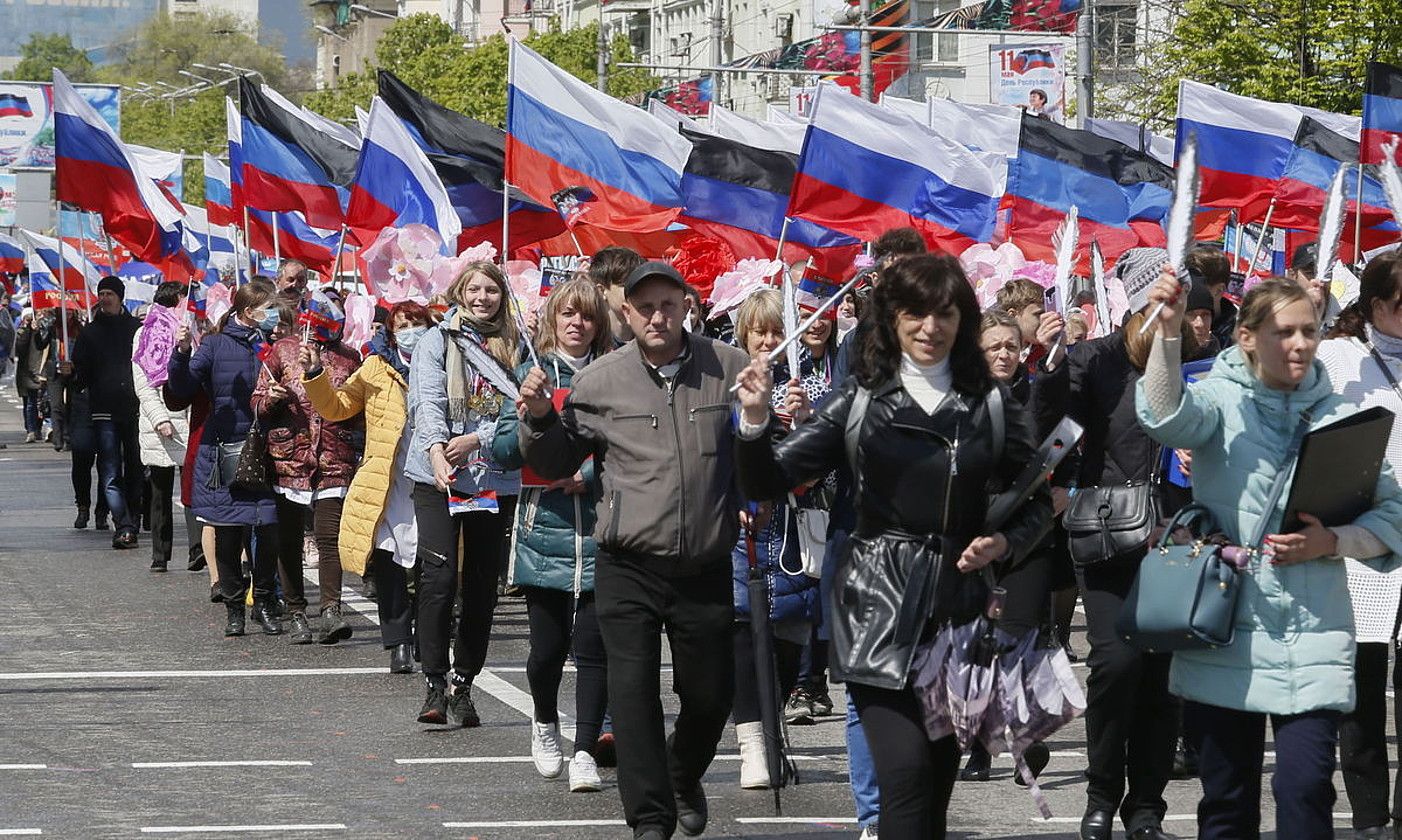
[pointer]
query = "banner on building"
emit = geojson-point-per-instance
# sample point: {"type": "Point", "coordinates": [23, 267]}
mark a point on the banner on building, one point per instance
{"type": "Point", "coordinates": [8, 198]}
{"type": "Point", "coordinates": [27, 120]}
{"type": "Point", "coordinates": [801, 100]}
{"type": "Point", "coordinates": [1029, 77]}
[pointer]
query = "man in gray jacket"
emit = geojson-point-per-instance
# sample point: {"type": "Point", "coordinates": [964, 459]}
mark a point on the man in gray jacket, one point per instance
{"type": "Point", "coordinates": [656, 416]}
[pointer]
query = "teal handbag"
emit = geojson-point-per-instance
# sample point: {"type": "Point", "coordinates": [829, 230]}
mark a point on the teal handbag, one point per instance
{"type": "Point", "coordinates": [1184, 596]}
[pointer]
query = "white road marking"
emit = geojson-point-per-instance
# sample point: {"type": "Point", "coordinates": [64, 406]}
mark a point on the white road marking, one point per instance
{"type": "Point", "coordinates": [469, 759]}
{"type": "Point", "coordinates": [795, 820]}
{"type": "Point", "coordinates": [9, 832]}
{"type": "Point", "coordinates": [736, 757]}
{"type": "Point", "coordinates": [27, 676]}
{"type": "Point", "coordinates": [533, 823]}
{"type": "Point", "coordinates": [24, 766]}
{"type": "Point", "coordinates": [1168, 818]}
{"type": "Point", "coordinates": [219, 829]}
{"type": "Point", "coordinates": [169, 765]}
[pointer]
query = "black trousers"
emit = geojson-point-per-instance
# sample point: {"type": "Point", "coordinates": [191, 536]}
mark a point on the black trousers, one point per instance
{"type": "Point", "coordinates": [915, 775]}
{"type": "Point", "coordinates": [1230, 760]}
{"type": "Point", "coordinates": [635, 600]}
{"type": "Point", "coordinates": [396, 605]}
{"type": "Point", "coordinates": [83, 462]}
{"type": "Point", "coordinates": [482, 535]}
{"type": "Point", "coordinates": [1131, 720]}
{"type": "Point", "coordinates": [161, 481]}
{"type": "Point", "coordinates": [229, 542]}
{"type": "Point", "coordinates": [787, 659]}
{"type": "Point", "coordinates": [1363, 740]}
{"type": "Point", "coordinates": [559, 625]}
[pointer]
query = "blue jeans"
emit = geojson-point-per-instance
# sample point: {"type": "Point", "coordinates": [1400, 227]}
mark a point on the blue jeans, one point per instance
{"type": "Point", "coordinates": [860, 770]}
{"type": "Point", "coordinates": [119, 470]}
{"type": "Point", "coordinates": [1230, 759]}
{"type": "Point", "coordinates": [32, 423]}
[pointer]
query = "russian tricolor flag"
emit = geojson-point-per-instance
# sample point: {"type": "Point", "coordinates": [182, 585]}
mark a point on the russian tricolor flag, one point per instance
{"type": "Point", "coordinates": [233, 123]}
{"type": "Point", "coordinates": [395, 184]}
{"type": "Point", "coordinates": [11, 255]}
{"type": "Point", "coordinates": [562, 133]}
{"type": "Point", "coordinates": [1243, 144]}
{"type": "Point", "coordinates": [44, 292]}
{"type": "Point", "coordinates": [289, 162]}
{"type": "Point", "coordinates": [866, 169]}
{"type": "Point", "coordinates": [218, 192]}
{"type": "Point", "coordinates": [1382, 112]}
{"type": "Point", "coordinates": [296, 239]}
{"type": "Point", "coordinates": [73, 267]}
{"type": "Point", "coordinates": [96, 172]}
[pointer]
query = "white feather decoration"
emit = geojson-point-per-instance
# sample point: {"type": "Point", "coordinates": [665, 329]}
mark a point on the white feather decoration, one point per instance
{"type": "Point", "coordinates": [1331, 225]}
{"type": "Point", "coordinates": [487, 367]}
{"type": "Point", "coordinates": [1184, 208]}
{"type": "Point", "coordinates": [1102, 297]}
{"type": "Point", "coordinates": [790, 315]}
{"type": "Point", "coordinates": [1392, 181]}
{"type": "Point", "coordinates": [1065, 240]}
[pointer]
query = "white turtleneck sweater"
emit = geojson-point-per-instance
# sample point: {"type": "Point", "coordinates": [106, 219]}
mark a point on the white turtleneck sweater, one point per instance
{"type": "Point", "coordinates": [928, 384]}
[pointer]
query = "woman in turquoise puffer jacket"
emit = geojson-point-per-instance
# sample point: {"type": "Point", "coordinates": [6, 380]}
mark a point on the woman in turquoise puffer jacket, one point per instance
{"type": "Point", "coordinates": [1292, 656]}
{"type": "Point", "coordinates": [552, 548]}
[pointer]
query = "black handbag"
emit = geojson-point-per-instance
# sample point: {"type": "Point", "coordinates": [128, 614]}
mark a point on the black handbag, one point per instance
{"type": "Point", "coordinates": [1111, 522]}
{"type": "Point", "coordinates": [242, 465]}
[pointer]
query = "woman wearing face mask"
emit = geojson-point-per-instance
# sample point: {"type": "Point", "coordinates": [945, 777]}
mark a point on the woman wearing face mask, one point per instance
{"type": "Point", "coordinates": [313, 462]}
{"type": "Point", "coordinates": [226, 368]}
{"type": "Point", "coordinates": [1292, 656]}
{"type": "Point", "coordinates": [1364, 361]}
{"type": "Point", "coordinates": [552, 548]}
{"type": "Point", "coordinates": [461, 494]}
{"type": "Point", "coordinates": [926, 457]}
{"type": "Point", "coordinates": [377, 522]}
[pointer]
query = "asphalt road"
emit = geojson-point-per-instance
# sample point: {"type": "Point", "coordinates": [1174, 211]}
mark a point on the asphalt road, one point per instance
{"type": "Point", "coordinates": [124, 712]}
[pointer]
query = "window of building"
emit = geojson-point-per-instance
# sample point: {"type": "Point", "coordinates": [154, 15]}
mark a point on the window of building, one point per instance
{"type": "Point", "coordinates": [935, 49]}
{"type": "Point", "coordinates": [1116, 35]}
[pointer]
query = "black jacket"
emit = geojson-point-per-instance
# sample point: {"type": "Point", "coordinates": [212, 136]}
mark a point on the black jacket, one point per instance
{"type": "Point", "coordinates": [921, 476]}
{"type": "Point", "coordinates": [1094, 386]}
{"type": "Point", "coordinates": [102, 363]}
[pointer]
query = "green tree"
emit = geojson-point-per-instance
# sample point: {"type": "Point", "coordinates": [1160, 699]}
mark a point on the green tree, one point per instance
{"type": "Point", "coordinates": [1307, 52]}
{"type": "Point", "coordinates": [193, 121]}
{"type": "Point", "coordinates": [434, 60]}
{"type": "Point", "coordinates": [42, 53]}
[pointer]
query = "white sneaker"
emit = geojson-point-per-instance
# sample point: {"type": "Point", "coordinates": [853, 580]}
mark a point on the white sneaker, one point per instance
{"type": "Point", "coordinates": [584, 774]}
{"type": "Point", "coordinates": [754, 768]}
{"type": "Point", "coordinates": [545, 749]}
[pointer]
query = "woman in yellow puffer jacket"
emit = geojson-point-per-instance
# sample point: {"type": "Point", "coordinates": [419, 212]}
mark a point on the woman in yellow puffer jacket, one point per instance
{"type": "Point", "coordinates": [377, 524]}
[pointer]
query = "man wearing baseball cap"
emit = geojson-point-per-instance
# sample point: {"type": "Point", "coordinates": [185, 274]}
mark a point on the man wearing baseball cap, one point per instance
{"type": "Point", "coordinates": [656, 416]}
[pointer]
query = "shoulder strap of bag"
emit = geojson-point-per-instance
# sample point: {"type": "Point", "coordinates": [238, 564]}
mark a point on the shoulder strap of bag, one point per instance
{"type": "Point", "coordinates": [1281, 477]}
{"type": "Point", "coordinates": [1382, 365]}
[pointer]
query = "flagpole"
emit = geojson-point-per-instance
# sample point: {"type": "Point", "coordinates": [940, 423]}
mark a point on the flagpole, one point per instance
{"type": "Point", "coordinates": [1236, 248]}
{"type": "Point", "coordinates": [277, 246]}
{"type": "Point", "coordinates": [1357, 221]}
{"type": "Point", "coordinates": [62, 263]}
{"type": "Point", "coordinates": [783, 238]}
{"type": "Point", "coordinates": [336, 263]}
{"type": "Point", "coordinates": [1261, 240]}
{"type": "Point", "coordinates": [506, 224]}
{"type": "Point", "coordinates": [247, 254]}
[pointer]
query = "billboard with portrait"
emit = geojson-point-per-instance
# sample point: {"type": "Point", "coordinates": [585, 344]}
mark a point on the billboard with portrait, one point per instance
{"type": "Point", "coordinates": [27, 120]}
{"type": "Point", "coordinates": [1031, 77]}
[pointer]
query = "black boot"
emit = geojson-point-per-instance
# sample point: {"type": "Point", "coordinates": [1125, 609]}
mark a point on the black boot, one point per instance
{"type": "Point", "coordinates": [401, 659]}
{"type": "Point", "coordinates": [101, 523]}
{"type": "Point", "coordinates": [235, 627]}
{"type": "Point", "coordinates": [333, 627]}
{"type": "Point", "coordinates": [264, 618]}
{"type": "Point", "coordinates": [82, 521]}
{"type": "Point", "coordinates": [158, 564]}
{"type": "Point", "coordinates": [197, 560]}
{"type": "Point", "coordinates": [299, 631]}
{"type": "Point", "coordinates": [980, 762]}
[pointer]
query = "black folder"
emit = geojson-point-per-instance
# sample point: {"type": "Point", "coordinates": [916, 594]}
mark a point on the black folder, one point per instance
{"type": "Point", "coordinates": [1338, 468]}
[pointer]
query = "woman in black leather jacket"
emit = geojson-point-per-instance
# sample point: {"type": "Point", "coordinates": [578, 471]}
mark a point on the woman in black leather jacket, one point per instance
{"type": "Point", "coordinates": [925, 462]}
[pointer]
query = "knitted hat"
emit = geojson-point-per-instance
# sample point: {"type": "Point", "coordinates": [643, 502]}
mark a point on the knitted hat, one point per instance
{"type": "Point", "coordinates": [1138, 268]}
{"type": "Point", "coordinates": [1199, 297]}
{"type": "Point", "coordinates": [114, 285]}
